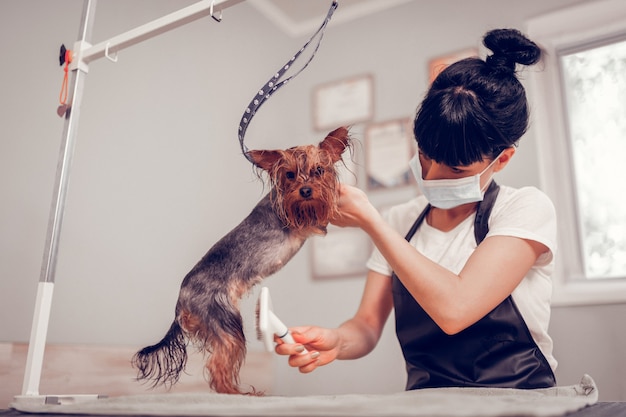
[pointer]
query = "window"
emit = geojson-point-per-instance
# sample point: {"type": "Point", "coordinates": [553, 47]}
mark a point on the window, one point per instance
{"type": "Point", "coordinates": [579, 119]}
{"type": "Point", "coordinates": [594, 86]}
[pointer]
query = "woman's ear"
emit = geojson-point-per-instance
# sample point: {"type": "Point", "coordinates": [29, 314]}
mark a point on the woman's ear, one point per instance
{"type": "Point", "coordinates": [504, 158]}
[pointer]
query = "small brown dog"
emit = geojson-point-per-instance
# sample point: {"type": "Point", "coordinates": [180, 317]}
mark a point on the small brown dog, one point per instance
{"type": "Point", "coordinates": [301, 202]}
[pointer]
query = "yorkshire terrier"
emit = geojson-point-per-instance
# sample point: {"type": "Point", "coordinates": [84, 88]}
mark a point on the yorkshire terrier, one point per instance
{"type": "Point", "coordinates": [301, 202]}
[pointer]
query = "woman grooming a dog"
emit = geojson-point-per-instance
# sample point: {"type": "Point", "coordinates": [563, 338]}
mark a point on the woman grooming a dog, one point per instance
{"type": "Point", "coordinates": [466, 265]}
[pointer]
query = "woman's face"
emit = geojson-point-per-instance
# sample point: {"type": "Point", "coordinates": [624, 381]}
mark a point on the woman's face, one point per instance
{"type": "Point", "coordinates": [433, 170]}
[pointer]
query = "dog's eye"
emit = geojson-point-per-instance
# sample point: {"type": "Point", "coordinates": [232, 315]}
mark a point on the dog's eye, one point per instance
{"type": "Point", "coordinates": [318, 171]}
{"type": "Point", "coordinates": [290, 175]}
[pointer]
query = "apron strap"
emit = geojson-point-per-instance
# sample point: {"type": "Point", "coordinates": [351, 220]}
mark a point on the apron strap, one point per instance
{"type": "Point", "coordinates": [481, 223]}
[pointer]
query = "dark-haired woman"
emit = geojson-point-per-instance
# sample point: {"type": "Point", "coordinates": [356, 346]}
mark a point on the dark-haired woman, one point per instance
{"type": "Point", "coordinates": [466, 265]}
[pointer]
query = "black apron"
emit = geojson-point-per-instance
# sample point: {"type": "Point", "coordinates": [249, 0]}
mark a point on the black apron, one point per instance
{"type": "Point", "coordinates": [496, 351]}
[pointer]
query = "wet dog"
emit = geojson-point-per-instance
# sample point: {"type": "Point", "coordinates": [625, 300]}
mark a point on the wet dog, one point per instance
{"type": "Point", "coordinates": [301, 202]}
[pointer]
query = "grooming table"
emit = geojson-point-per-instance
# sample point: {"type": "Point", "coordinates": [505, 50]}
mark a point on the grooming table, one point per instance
{"type": "Point", "coordinates": [601, 409]}
{"type": "Point", "coordinates": [580, 399]}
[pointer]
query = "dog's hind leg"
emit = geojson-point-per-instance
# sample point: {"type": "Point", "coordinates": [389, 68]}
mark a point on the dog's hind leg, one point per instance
{"type": "Point", "coordinates": [217, 331]}
{"type": "Point", "coordinates": [228, 352]}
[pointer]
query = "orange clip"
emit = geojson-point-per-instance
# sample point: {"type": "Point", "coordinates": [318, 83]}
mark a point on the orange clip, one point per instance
{"type": "Point", "coordinates": [64, 86]}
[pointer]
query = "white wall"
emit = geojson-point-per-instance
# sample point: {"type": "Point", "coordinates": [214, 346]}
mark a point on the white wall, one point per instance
{"type": "Point", "coordinates": [158, 176]}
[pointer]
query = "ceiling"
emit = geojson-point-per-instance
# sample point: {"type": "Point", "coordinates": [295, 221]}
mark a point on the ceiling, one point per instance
{"type": "Point", "coordinates": [300, 17]}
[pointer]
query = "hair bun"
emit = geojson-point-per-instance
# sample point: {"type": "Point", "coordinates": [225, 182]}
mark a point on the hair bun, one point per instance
{"type": "Point", "coordinates": [510, 47]}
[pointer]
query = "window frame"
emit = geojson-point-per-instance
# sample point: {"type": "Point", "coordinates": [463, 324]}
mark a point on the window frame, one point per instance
{"type": "Point", "coordinates": [587, 24]}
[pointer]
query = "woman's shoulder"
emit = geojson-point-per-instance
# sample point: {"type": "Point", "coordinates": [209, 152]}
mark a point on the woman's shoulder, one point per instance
{"type": "Point", "coordinates": [523, 198]}
{"type": "Point", "coordinates": [524, 212]}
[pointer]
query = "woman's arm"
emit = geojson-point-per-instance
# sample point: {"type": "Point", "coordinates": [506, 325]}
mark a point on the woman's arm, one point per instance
{"type": "Point", "coordinates": [361, 333]}
{"type": "Point", "coordinates": [353, 339]}
{"type": "Point", "coordinates": [453, 301]}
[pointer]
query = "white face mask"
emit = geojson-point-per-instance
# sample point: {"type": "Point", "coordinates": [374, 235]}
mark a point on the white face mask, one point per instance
{"type": "Point", "coordinates": [449, 193]}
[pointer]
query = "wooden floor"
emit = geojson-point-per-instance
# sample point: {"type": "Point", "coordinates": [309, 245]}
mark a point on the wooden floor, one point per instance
{"type": "Point", "coordinates": [78, 369]}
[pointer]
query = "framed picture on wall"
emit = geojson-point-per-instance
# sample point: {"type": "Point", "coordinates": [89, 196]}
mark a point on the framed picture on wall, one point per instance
{"type": "Point", "coordinates": [343, 252]}
{"type": "Point", "coordinates": [344, 102]}
{"type": "Point", "coordinates": [436, 65]}
{"type": "Point", "coordinates": [388, 148]}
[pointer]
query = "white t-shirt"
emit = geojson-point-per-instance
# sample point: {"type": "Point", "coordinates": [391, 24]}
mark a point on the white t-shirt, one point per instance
{"type": "Point", "coordinates": [526, 213]}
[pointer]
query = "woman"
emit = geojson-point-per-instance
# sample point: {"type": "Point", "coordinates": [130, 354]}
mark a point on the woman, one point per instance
{"type": "Point", "coordinates": [470, 281]}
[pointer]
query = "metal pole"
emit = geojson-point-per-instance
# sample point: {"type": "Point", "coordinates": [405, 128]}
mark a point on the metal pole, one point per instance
{"type": "Point", "coordinates": [84, 53]}
{"type": "Point", "coordinates": [39, 330]}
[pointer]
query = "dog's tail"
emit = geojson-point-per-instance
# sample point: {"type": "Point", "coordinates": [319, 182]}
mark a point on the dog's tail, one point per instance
{"type": "Point", "coordinates": [163, 363]}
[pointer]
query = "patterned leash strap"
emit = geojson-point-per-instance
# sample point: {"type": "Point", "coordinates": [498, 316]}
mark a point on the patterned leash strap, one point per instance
{"type": "Point", "coordinates": [274, 83]}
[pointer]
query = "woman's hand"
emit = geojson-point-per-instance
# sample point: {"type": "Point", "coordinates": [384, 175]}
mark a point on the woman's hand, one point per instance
{"type": "Point", "coordinates": [355, 209]}
{"type": "Point", "coordinates": [322, 346]}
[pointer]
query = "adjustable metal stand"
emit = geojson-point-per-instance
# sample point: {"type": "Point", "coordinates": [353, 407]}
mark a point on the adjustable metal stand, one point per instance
{"type": "Point", "coordinates": [84, 53]}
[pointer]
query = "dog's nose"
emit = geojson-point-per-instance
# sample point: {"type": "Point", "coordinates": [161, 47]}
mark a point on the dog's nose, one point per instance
{"type": "Point", "coordinates": [306, 192]}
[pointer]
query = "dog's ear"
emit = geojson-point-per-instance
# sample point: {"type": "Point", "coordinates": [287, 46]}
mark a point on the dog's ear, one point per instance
{"type": "Point", "coordinates": [336, 142]}
{"type": "Point", "coordinates": [265, 159]}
